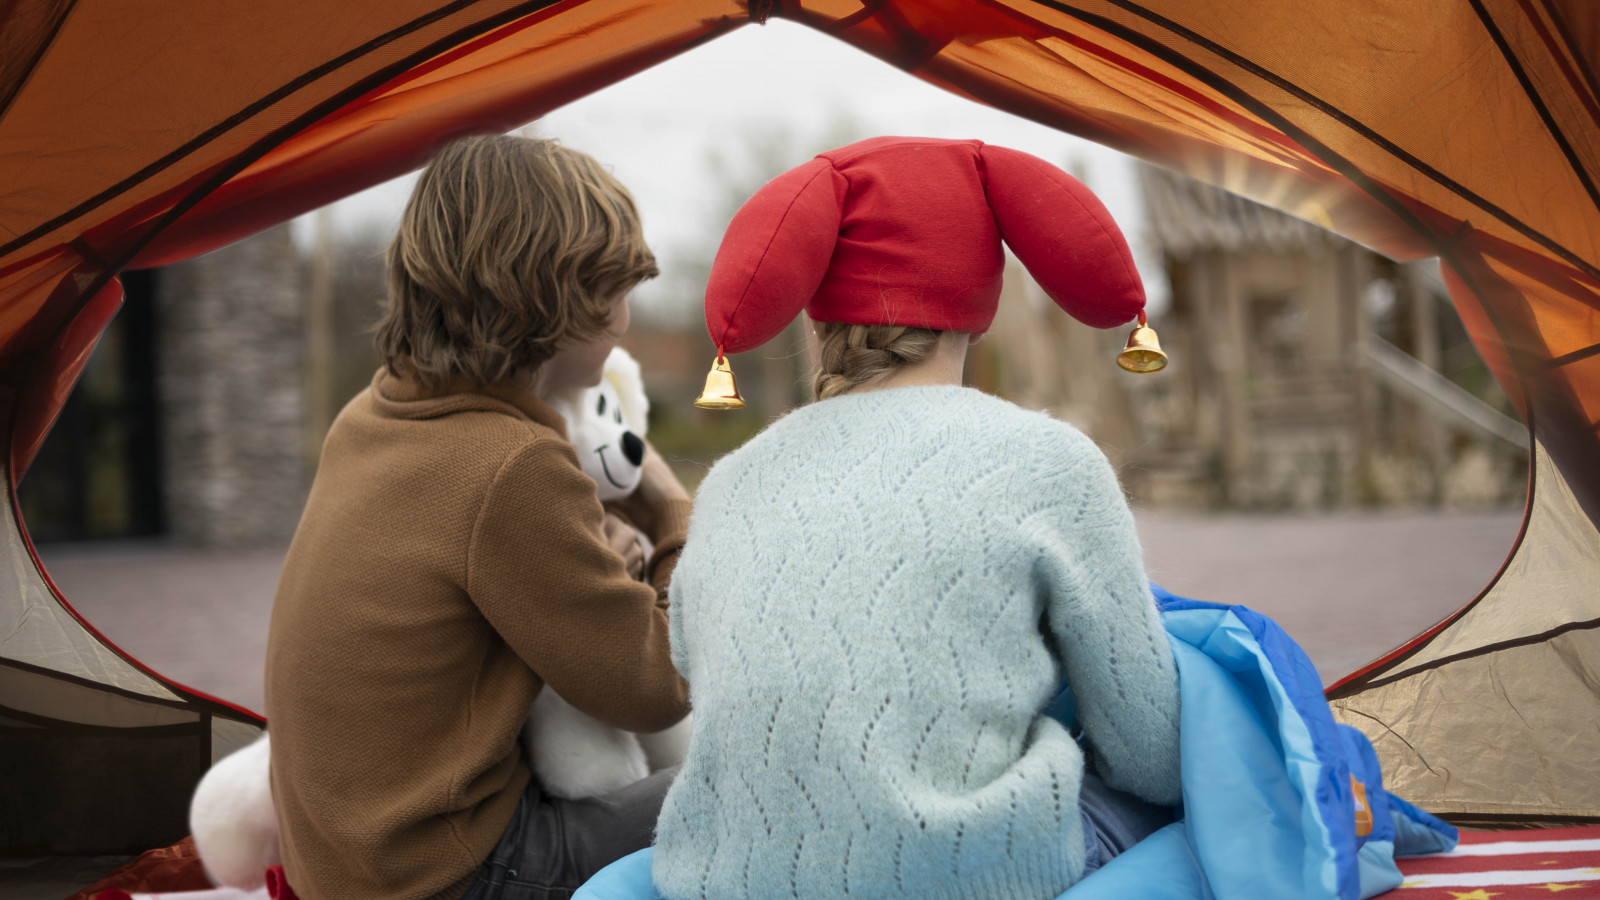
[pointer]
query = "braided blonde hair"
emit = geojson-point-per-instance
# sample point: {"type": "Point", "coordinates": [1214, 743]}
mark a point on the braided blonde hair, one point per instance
{"type": "Point", "coordinates": [853, 355]}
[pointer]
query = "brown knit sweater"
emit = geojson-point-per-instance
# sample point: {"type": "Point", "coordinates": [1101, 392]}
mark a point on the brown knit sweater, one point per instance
{"type": "Point", "coordinates": [449, 563]}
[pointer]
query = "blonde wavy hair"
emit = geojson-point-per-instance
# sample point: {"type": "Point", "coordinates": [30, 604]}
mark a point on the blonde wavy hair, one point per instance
{"type": "Point", "coordinates": [852, 355]}
{"type": "Point", "coordinates": [508, 247]}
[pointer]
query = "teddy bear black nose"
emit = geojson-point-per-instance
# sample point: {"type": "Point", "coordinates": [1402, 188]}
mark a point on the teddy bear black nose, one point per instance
{"type": "Point", "coordinates": [632, 447]}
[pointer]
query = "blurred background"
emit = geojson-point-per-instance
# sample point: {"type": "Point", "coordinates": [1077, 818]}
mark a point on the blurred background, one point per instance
{"type": "Point", "coordinates": [1326, 445]}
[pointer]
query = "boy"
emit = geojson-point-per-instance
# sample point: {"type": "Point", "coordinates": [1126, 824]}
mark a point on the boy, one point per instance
{"type": "Point", "coordinates": [453, 558]}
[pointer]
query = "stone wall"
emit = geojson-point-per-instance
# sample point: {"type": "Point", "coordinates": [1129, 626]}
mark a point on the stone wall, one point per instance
{"type": "Point", "coordinates": [231, 350]}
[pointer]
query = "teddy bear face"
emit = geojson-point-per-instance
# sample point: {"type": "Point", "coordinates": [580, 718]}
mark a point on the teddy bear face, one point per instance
{"type": "Point", "coordinates": [606, 424]}
{"type": "Point", "coordinates": [610, 453]}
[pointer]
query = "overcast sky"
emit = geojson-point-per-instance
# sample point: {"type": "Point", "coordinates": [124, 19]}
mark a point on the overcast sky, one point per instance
{"type": "Point", "coordinates": [679, 134]}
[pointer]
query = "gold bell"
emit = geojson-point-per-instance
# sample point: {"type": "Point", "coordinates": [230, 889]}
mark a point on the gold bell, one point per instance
{"type": "Point", "coordinates": [721, 391]}
{"type": "Point", "coordinates": [1143, 353]}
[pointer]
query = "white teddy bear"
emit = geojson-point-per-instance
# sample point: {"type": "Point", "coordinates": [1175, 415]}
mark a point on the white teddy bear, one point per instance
{"type": "Point", "coordinates": [573, 754]}
{"type": "Point", "coordinates": [234, 825]}
{"type": "Point", "coordinates": [231, 816]}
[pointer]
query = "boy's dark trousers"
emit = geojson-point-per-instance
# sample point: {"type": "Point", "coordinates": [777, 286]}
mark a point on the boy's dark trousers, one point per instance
{"type": "Point", "coordinates": [553, 845]}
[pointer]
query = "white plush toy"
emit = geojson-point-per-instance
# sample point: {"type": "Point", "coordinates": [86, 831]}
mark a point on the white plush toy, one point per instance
{"type": "Point", "coordinates": [607, 424]}
{"type": "Point", "coordinates": [232, 818]}
{"type": "Point", "coordinates": [573, 754]}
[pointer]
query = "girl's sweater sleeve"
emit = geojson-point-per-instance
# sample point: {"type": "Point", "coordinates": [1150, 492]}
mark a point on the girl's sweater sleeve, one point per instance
{"type": "Point", "coordinates": [680, 649]}
{"type": "Point", "coordinates": [1104, 621]}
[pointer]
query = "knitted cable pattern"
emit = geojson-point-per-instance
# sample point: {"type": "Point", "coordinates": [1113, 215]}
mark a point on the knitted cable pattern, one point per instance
{"type": "Point", "coordinates": [879, 595]}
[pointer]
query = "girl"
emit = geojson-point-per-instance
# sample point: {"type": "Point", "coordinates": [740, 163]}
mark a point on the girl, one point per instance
{"type": "Point", "coordinates": [884, 590]}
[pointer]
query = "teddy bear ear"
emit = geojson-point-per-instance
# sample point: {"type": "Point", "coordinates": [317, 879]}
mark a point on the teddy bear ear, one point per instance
{"type": "Point", "coordinates": [623, 371]}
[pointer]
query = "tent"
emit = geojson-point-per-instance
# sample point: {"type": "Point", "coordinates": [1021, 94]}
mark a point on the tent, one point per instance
{"type": "Point", "coordinates": [133, 135]}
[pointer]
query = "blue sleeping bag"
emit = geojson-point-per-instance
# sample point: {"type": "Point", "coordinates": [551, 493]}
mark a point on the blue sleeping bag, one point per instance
{"type": "Point", "coordinates": [1278, 799]}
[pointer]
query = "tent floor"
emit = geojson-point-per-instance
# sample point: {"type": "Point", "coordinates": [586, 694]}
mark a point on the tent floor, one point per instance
{"type": "Point", "coordinates": [54, 877]}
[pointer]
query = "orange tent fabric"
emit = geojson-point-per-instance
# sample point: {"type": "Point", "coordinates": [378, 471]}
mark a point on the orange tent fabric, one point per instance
{"type": "Point", "coordinates": [139, 134]}
{"type": "Point", "coordinates": [144, 136]}
{"type": "Point", "coordinates": [136, 136]}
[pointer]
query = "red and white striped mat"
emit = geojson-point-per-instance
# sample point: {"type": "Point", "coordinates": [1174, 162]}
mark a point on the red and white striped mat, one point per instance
{"type": "Point", "coordinates": [1507, 865]}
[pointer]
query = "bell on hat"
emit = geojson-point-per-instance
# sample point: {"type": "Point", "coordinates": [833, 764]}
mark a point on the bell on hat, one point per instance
{"type": "Point", "coordinates": [909, 231]}
{"type": "Point", "coordinates": [1143, 354]}
{"type": "Point", "coordinates": [721, 391]}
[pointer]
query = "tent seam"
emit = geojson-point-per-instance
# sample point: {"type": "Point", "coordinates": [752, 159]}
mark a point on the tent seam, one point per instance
{"type": "Point", "coordinates": [304, 79]}
{"type": "Point", "coordinates": [1238, 94]}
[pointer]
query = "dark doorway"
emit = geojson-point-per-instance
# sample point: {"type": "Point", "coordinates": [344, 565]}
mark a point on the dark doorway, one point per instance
{"type": "Point", "coordinates": [98, 474]}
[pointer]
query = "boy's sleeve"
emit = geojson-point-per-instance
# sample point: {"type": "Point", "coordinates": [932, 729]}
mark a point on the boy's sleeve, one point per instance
{"type": "Point", "coordinates": [540, 570]}
{"type": "Point", "coordinates": [1104, 621]}
{"type": "Point", "coordinates": [671, 530]}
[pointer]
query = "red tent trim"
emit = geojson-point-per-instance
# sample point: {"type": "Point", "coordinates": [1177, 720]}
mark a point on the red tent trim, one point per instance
{"type": "Point", "coordinates": [213, 705]}
{"type": "Point", "coordinates": [1367, 675]}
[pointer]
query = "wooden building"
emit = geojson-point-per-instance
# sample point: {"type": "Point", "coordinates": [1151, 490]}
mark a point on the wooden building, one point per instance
{"type": "Point", "coordinates": [1308, 371]}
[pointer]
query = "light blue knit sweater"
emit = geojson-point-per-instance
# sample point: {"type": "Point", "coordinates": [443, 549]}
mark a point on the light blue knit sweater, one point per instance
{"type": "Point", "coordinates": [879, 595]}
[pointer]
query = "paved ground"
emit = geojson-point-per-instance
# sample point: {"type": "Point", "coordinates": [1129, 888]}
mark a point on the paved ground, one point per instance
{"type": "Point", "coordinates": [1347, 586]}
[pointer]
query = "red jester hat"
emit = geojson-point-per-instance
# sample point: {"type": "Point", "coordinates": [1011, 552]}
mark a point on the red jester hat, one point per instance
{"type": "Point", "coordinates": [907, 231]}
